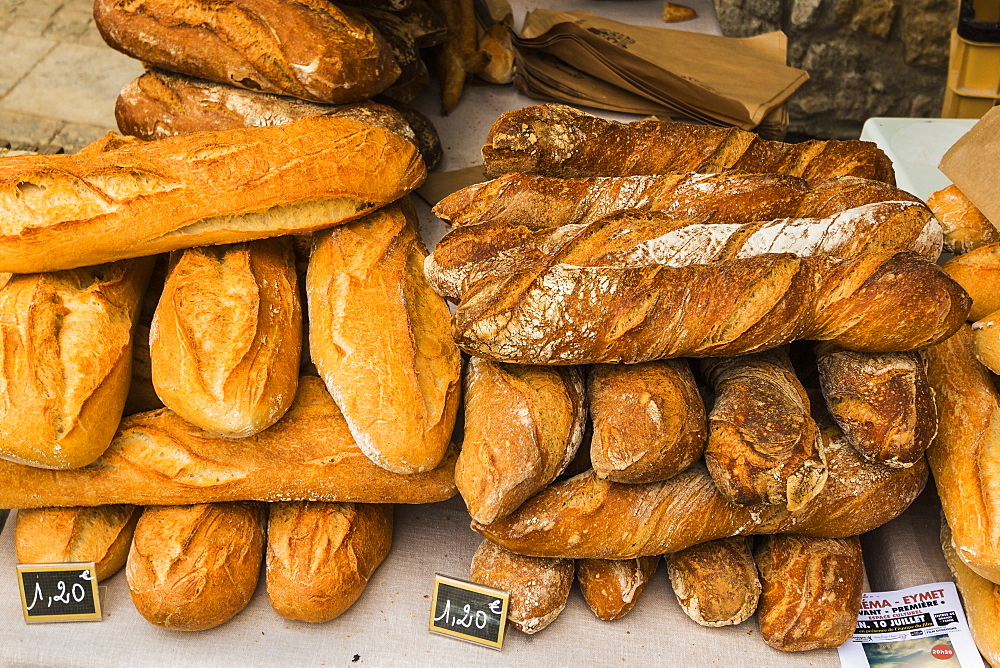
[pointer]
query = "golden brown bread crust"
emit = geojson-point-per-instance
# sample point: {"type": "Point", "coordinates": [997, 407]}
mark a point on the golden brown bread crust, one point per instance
{"type": "Point", "coordinates": [66, 355]}
{"type": "Point", "coordinates": [978, 272]}
{"type": "Point", "coordinates": [612, 587]}
{"type": "Point", "coordinates": [965, 455]}
{"type": "Point", "coordinates": [716, 582]}
{"type": "Point", "coordinates": [308, 49]}
{"type": "Point", "coordinates": [458, 55]}
{"type": "Point", "coordinates": [648, 420]}
{"type": "Point", "coordinates": [980, 597]}
{"type": "Point", "coordinates": [811, 591]}
{"type": "Point", "coordinates": [225, 339]}
{"type": "Point", "coordinates": [102, 534]}
{"type": "Point", "coordinates": [965, 227]}
{"type": "Point", "coordinates": [320, 556]}
{"type": "Point", "coordinates": [194, 567]}
{"type": "Point", "coordinates": [538, 587]}
{"type": "Point", "coordinates": [523, 426]}
{"type": "Point", "coordinates": [882, 402]}
{"type": "Point", "coordinates": [589, 518]}
{"type": "Point", "coordinates": [158, 458]}
{"type": "Point", "coordinates": [380, 339]}
{"type": "Point", "coordinates": [986, 338]}
{"type": "Point", "coordinates": [874, 303]}
{"type": "Point", "coordinates": [557, 140]}
{"type": "Point", "coordinates": [64, 211]}
{"type": "Point", "coordinates": [763, 444]}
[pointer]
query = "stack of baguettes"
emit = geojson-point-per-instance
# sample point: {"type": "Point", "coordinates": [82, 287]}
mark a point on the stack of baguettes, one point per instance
{"type": "Point", "coordinates": [246, 419]}
{"type": "Point", "coordinates": [599, 260]}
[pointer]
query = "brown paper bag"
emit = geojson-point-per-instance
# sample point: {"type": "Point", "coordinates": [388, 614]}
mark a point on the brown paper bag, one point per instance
{"type": "Point", "coordinates": [973, 164]}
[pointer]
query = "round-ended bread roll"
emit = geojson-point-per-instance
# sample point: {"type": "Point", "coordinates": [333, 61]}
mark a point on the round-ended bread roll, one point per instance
{"type": "Point", "coordinates": [716, 582]}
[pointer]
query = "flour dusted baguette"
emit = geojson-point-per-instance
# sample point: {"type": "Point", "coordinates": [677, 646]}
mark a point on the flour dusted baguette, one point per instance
{"type": "Point", "coordinates": [980, 597]}
{"type": "Point", "coordinates": [648, 420]}
{"type": "Point", "coordinates": [102, 534]}
{"type": "Point", "coordinates": [965, 455]}
{"type": "Point", "coordinates": [978, 272]}
{"type": "Point", "coordinates": [308, 49]}
{"type": "Point", "coordinates": [64, 211]}
{"type": "Point", "coordinates": [612, 587]}
{"type": "Point", "coordinates": [194, 567]}
{"type": "Point", "coordinates": [558, 140]}
{"type": "Point", "coordinates": [225, 338]}
{"type": "Point", "coordinates": [589, 518]}
{"type": "Point", "coordinates": [965, 227]}
{"type": "Point", "coordinates": [716, 582]}
{"type": "Point", "coordinates": [158, 458]}
{"type": "Point", "coordinates": [379, 338]}
{"type": "Point", "coordinates": [523, 426]}
{"type": "Point", "coordinates": [874, 303]}
{"type": "Point", "coordinates": [66, 356]}
{"type": "Point", "coordinates": [320, 556]}
{"type": "Point", "coordinates": [881, 401]}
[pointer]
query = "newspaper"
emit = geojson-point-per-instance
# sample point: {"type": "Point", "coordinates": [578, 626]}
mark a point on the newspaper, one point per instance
{"type": "Point", "coordinates": [918, 626]}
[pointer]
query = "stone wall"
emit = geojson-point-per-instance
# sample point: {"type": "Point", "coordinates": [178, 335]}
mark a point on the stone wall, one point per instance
{"type": "Point", "coordinates": [864, 57]}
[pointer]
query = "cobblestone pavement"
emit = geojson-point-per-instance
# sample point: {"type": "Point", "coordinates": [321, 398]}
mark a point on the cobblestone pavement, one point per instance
{"type": "Point", "coordinates": [58, 79]}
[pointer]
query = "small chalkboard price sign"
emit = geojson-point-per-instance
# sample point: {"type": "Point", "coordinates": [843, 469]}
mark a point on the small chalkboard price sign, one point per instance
{"type": "Point", "coordinates": [59, 592]}
{"type": "Point", "coordinates": [468, 611]}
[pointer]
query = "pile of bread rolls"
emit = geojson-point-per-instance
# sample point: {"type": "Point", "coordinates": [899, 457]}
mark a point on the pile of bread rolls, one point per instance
{"type": "Point", "coordinates": [600, 260]}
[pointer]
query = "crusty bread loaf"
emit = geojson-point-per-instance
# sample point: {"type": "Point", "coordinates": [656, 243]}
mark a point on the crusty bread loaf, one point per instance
{"type": "Point", "coordinates": [558, 140]}
{"type": "Point", "coordinates": [581, 315]}
{"type": "Point", "coordinates": [648, 420]}
{"type": "Point", "coordinates": [964, 456]}
{"type": "Point", "coordinates": [612, 587]}
{"type": "Point", "coordinates": [194, 567]}
{"type": "Point", "coordinates": [380, 339]}
{"type": "Point", "coordinates": [65, 211]}
{"type": "Point", "coordinates": [158, 458]}
{"type": "Point", "coordinates": [811, 590]}
{"type": "Point", "coordinates": [224, 342]}
{"type": "Point", "coordinates": [538, 587]}
{"type": "Point", "coordinates": [965, 227]}
{"type": "Point", "coordinates": [978, 272]}
{"type": "Point", "coordinates": [320, 556]}
{"type": "Point", "coordinates": [980, 598]}
{"type": "Point", "coordinates": [986, 338]}
{"type": "Point", "coordinates": [716, 582]}
{"type": "Point", "coordinates": [763, 444]}
{"type": "Point", "coordinates": [589, 518]}
{"type": "Point", "coordinates": [523, 426]}
{"type": "Point", "coordinates": [881, 401]}
{"type": "Point", "coordinates": [66, 356]}
{"type": "Point", "coordinates": [102, 534]}
{"type": "Point", "coordinates": [308, 49]}
{"type": "Point", "coordinates": [414, 76]}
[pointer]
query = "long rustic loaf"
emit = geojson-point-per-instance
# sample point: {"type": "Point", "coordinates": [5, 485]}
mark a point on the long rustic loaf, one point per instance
{"type": "Point", "coordinates": [579, 315]}
{"type": "Point", "coordinates": [64, 211]}
{"type": "Point", "coordinates": [980, 598]}
{"type": "Point", "coordinates": [965, 227]}
{"type": "Point", "coordinates": [716, 582]}
{"type": "Point", "coordinates": [986, 338]}
{"type": "Point", "coordinates": [66, 360]}
{"type": "Point", "coordinates": [308, 49]}
{"type": "Point", "coordinates": [379, 337]}
{"type": "Point", "coordinates": [225, 338]}
{"type": "Point", "coordinates": [558, 140]}
{"type": "Point", "coordinates": [158, 458]}
{"type": "Point", "coordinates": [978, 272]}
{"type": "Point", "coordinates": [965, 455]}
{"type": "Point", "coordinates": [589, 518]}
{"type": "Point", "coordinates": [612, 587]}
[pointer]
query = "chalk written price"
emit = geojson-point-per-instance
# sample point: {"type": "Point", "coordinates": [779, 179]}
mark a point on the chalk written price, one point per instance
{"type": "Point", "coordinates": [59, 592]}
{"type": "Point", "coordinates": [468, 611]}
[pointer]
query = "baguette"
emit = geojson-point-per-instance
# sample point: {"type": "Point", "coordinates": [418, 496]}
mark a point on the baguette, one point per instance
{"type": "Point", "coordinates": [965, 455]}
{"type": "Point", "coordinates": [557, 140]}
{"type": "Point", "coordinates": [65, 211]}
{"type": "Point", "coordinates": [881, 401]}
{"type": "Point", "coordinates": [763, 445]}
{"type": "Point", "coordinates": [986, 338]}
{"type": "Point", "coordinates": [159, 459]}
{"type": "Point", "coordinates": [716, 582]}
{"type": "Point", "coordinates": [612, 587]}
{"type": "Point", "coordinates": [981, 599]}
{"type": "Point", "coordinates": [66, 356]}
{"type": "Point", "coordinates": [308, 49]}
{"type": "Point", "coordinates": [320, 556]}
{"type": "Point", "coordinates": [457, 56]}
{"type": "Point", "coordinates": [225, 339]}
{"type": "Point", "coordinates": [589, 518]}
{"type": "Point", "coordinates": [194, 567]}
{"type": "Point", "coordinates": [648, 420]}
{"type": "Point", "coordinates": [811, 591]}
{"type": "Point", "coordinates": [379, 338]}
{"type": "Point", "coordinates": [102, 534]}
{"type": "Point", "coordinates": [965, 227]}
{"type": "Point", "coordinates": [523, 426]}
{"type": "Point", "coordinates": [978, 272]}
{"type": "Point", "coordinates": [874, 303]}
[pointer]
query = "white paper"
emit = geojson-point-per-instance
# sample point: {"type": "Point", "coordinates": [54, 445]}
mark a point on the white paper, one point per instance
{"type": "Point", "coordinates": [918, 626]}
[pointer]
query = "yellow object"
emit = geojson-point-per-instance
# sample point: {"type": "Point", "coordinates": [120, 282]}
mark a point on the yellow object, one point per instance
{"type": "Point", "coordinates": [973, 78]}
